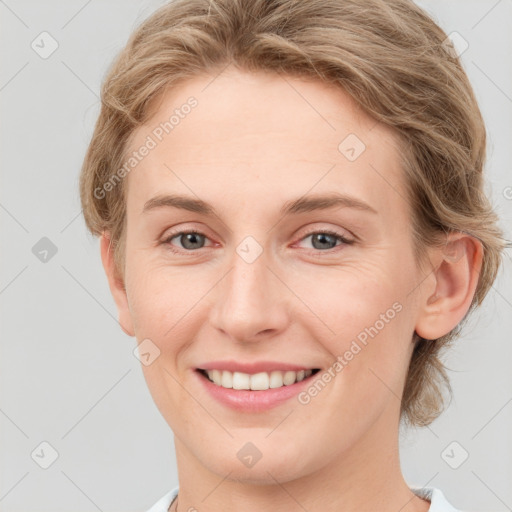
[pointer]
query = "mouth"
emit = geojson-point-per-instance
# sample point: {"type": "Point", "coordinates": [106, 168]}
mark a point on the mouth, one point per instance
{"type": "Point", "coordinates": [261, 381]}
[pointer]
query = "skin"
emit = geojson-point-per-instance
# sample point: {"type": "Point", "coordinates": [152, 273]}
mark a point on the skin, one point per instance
{"type": "Point", "coordinates": [254, 142]}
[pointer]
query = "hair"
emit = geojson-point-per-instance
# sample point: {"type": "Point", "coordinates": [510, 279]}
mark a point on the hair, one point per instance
{"type": "Point", "coordinates": [388, 55]}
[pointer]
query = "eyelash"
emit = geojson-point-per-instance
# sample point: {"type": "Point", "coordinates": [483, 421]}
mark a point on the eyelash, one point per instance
{"type": "Point", "coordinates": [335, 234]}
{"type": "Point", "coordinates": [342, 239]}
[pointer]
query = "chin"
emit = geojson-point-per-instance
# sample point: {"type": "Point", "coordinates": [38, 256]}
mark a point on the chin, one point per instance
{"type": "Point", "coordinates": [264, 471]}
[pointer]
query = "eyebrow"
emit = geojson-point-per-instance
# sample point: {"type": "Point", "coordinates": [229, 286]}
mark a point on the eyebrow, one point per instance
{"type": "Point", "coordinates": [296, 206]}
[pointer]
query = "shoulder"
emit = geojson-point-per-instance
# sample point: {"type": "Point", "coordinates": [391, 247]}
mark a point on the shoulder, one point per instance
{"type": "Point", "coordinates": [162, 505]}
{"type": "Point", "coordinates": [438, 501]}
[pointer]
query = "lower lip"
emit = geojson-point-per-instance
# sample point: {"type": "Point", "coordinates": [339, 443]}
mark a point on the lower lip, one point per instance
{"type": "Point", "coordinates": [253, 401]}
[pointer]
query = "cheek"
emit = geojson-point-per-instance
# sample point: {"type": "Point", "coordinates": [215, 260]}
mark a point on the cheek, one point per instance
{"type": "Point", "coordinates": [158, 295]}
{"type": "Point", "coordinates": [349, 299]}
{"type": "Point", "coordinates": [370, 324]}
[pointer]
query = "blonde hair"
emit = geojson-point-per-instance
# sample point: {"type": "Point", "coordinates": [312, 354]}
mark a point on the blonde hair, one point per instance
{"type": "Point", "coordinates": [392, 59]}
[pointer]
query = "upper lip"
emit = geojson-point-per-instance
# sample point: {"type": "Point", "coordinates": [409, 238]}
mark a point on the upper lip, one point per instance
{"type": "Point", "coordinates": [253, 367]}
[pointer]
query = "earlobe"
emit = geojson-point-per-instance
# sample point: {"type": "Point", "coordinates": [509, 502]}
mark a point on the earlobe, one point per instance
{"type": "Point", "coordinates": [116, 284]}
{"type": "Point", "coordinates": [455, 277]}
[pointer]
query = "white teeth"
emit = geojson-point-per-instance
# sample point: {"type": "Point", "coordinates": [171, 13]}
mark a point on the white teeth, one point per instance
{"type": "Point", "coordinates": [276, 379]}
{"type": "Point", "coordinates": [258, 381]}
{"type": "Point", "coordinates": [289, 378]}
{"type": "Point", "coordinates": [241, 380]}
{"type": "Point", "coordinates": [226, 380]}
{"type": "Point", "coordinates": [216, 376]}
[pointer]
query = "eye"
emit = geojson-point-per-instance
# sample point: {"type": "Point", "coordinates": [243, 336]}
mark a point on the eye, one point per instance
{"type": "Point", "coordinates": [327, 240]}
{"type": "Point", "coordinates": [192, 240]}
{"type": "Point", "coordinates": [189, 240]}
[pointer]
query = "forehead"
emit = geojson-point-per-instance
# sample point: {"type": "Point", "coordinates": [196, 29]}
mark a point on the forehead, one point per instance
{"type": "Point", "coordinates": [263, 135]}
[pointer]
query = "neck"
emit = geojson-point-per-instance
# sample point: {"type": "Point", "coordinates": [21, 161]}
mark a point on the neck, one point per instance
{"type": "Point", "coordinates": [365, 477]}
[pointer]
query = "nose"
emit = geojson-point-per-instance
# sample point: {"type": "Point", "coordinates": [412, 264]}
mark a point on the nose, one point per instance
{"type": "Point", "coordinates": [251, 302]}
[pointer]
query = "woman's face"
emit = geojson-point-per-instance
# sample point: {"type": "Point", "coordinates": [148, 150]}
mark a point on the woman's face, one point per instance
{"type": "Point", "coordinates": [275, 275]}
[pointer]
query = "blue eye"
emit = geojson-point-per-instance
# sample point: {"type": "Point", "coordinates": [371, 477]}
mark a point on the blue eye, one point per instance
{"type": "Point", "coordinates": [190, 240]}
{"type": "Point", "coordinates": [327, 240]}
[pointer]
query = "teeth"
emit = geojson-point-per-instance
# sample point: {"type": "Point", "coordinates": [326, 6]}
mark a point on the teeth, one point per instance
{"type": "Point", "coordinates": [226, 380]}
{"type": "Point", "coordinates": [258, 381]}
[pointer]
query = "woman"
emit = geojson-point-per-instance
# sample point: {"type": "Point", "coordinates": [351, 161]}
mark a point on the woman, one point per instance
{"type": "Point", "coordinates": [290, 202]}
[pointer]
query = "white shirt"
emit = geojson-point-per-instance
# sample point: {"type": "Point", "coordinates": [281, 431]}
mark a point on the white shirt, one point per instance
{"type": "Point", "coordinates": [438, 502]}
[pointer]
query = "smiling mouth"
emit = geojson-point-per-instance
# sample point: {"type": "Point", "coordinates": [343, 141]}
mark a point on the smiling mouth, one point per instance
{"type": "Point", "coordinates": [261, 381]}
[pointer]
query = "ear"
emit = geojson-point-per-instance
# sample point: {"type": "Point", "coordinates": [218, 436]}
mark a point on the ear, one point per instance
{"type": "Point", "coordinates": [116, 284]}
{"type": "Point", "coordinates": [454, 281]}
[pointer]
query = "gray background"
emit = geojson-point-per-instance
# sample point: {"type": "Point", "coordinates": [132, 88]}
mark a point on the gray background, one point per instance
{"type": "Point", "coordinates": [68, 375]}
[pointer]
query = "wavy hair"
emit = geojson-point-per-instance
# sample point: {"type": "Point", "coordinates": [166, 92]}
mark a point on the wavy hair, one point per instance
{"type": "Point", "coordinates": [392, 59]}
